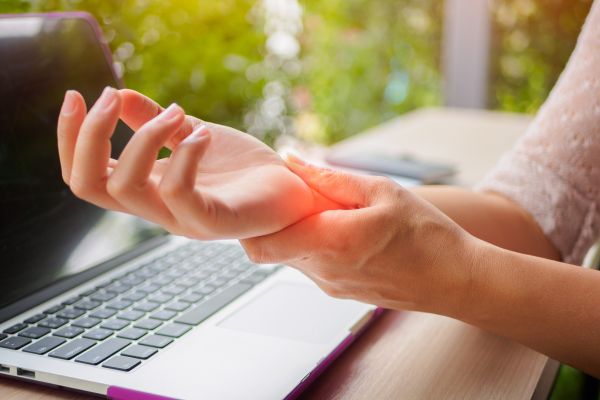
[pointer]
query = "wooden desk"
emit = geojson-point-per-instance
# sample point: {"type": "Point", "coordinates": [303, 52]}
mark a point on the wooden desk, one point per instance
{"type": "Point", "coordinates": [410, 355]}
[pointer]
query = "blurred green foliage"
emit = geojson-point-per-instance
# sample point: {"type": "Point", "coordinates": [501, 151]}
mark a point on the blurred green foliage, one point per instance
{"type": "Point", "coordinates": [571, 384]}
{"type": "Point", "coordinates": [532, 41]}
{"type": "Point", "coordinates": [366, 61]}
{"type": "Point", "coordinates": [361, 61]}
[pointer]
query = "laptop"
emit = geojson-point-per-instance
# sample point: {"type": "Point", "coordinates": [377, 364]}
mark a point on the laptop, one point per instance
{"type": "Point", "coordinates": [107, 303]}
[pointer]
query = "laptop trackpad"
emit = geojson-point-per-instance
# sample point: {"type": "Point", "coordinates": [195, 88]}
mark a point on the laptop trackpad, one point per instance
{"type": "Point", "coordinates": [295, 311]}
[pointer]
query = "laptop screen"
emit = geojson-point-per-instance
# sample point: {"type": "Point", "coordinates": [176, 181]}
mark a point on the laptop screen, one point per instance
{"type": "Point", "coordinates": [46, 233]}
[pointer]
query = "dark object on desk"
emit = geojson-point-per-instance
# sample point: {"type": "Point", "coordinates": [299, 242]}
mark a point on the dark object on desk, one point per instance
{"type": "Point", "coordinates": [406, 166]}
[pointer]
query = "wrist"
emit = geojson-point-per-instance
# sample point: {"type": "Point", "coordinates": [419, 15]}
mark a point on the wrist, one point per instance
{"type": "Point", "coordinates": [493, 284]}
{"type": "Point", "coordinates": [472, 280]}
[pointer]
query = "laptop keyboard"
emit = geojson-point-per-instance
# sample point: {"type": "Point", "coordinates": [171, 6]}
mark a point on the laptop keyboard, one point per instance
{"type": "Point", "coordinates": [126, 320]}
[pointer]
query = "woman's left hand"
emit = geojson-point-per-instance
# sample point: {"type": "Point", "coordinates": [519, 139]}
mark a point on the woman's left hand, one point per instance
{"type": "Point", "coordinates": [388, 248]}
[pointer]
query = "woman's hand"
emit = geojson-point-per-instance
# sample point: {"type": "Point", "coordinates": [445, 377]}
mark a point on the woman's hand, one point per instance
{"type": "Point", "coordinates": [388, 247]}
{"type": "Point", "coordinates": [218, 182]}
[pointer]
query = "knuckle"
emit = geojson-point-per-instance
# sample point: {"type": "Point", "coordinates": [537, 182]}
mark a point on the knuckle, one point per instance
{"type": "Point", "coordinates": [80, 187]}
{"type": "Point", "coordinates": [256, 252]}
{"type": "Point", "coordinates": [381, 181]}
{"type": "Point", "coordinates": [118, 187]}
{"type": "Point", "coordinates": [338, 246]}
{"type": "Point", "coordinates": [170, 189]}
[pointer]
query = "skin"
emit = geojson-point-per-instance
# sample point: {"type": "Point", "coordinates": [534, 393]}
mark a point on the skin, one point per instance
{"type": "Point", "coordinates": [211, 187]}
{"type": "Point", "coordinates": [476, 257]}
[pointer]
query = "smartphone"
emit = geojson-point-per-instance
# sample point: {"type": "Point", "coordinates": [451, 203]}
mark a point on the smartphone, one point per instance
{"type": "Point", "coordinates": [424, 171]}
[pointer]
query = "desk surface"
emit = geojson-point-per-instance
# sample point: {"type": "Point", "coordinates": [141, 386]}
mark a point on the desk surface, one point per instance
{"type": "Point", "coordinates": [410, 355]}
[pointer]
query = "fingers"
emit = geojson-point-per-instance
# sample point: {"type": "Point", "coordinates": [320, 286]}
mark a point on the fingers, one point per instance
{"type": "Point", "coordinates": [71, 117]}
{"type": "Point", "coordinates": [129, 184]}
{"type": "Point", "coordinates": [178, 186]}
{"type": "Point", "coordinates": [351, 190]}
{"type": "Point", "coordinates": [298, 242]}
{"type": "Point", "coordinates": [138, 109]}
{"type": "Point", "coordinates": [92, 151]}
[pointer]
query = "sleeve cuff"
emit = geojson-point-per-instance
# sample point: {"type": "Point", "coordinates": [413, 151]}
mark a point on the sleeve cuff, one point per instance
{"type": "Point", "coordinates": [566, 217]}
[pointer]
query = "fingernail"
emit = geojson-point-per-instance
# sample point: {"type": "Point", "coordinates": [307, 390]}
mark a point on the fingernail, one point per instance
{"type": "Point", "coordinates": [107, 98]}
{"type": "Point", "coordinates": [290, 156]}
{"type": "Point", "coordinates": [171, 112]}
{"type": "Point", "coordinates": [69, 103]}
{"type": "Point", "coordinates": [196, 134]}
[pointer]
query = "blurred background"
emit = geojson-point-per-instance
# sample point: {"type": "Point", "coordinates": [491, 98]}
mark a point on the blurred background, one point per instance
{"type": "Point", "coordinates": [323, 70]}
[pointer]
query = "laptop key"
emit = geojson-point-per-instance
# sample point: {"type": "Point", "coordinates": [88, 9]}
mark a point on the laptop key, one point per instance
{"type": "Point", "coordinates": [162, 280]}
{"type": "Point", "coordinates": [173, 330]}
{"type": "Point", "coordinates": [54, 310]}
{"type": "Point", "coordinates": [218, 282]}
{"type": "Point", "coordinates": [177, 306]}
{"type": "Point", "coordinates": [45, 345]}
{"type": "Point", "coordinates": [122, 363]}
{"type": "Point", "coordinates": [72, 349]}
{"type": "Point", "coordinates": [119, 304]}
{"type": "Point", "coordinates": [115, 324]}
{"type": "Point", "coordinates": [135, 296]}
{"type": "Point", "coordinates": [35, 318]}
{"type": "Point", "coordinates": [103, 296]}
{"type": "Point", "coordinates": [191, 298]}
{"type": "Point", "coordinates": [149, 288]}
{"type": "Point", "coordinates": [148, 324]}
{"type": "Point", "coordinates": [104, 284]}
{"type": "Point", "coordinates": [3, 336]}
{"type": "Point", "coordinates": [98, 334]}
{"type": "Point", "coordinates": [207, 308]}
{"type": "Point", "coordinates": [174, 290]}
{"type": "Point", "coordinates": [34, 332]}
{"type": "Point", "coordinates": [14, 342]}
{"type": "Point", "coordinates": [139, 351]}
{"type": "Point", "coordinates": [132, 333]}
{"type": "Point", "coordinates": [86, 322]}
{"type": "Point", "coordinates": [131, 315]}
{"type": "Point", "coordinates": [15, 328]}
{"type": "Point", "coordinates": [204, 290]}
{"type": "Point", "coordinates": [53, 322]}
{"type": "Point", "coordinates": [70, 301]}
{"type": "Point", "coordinates": [88, 292]}
{"type": "Point", "coordinates": [103, 313]}
{"type": "Point", "coordinates": [156, 341]}
{"type": "Point", "coordinates": [160, 298]}
{"type": "Point", "coordinates": [132, 280]}
{"type": "Point", "coordinates": [187, 282]}
{"type": "Point", "coordinates": [87, 305]}
{"type": "Point", "coordinates": [163, 315]}
{"type": "Point", "coordinates": [117, 287]}
{"type": "Point", "coordinates": [68, 332]}
{"type": "Point", "coordinates": [70, 313]}
{"type": "Point", "coordinates": [104, 350]}
{"type": "Point", "coordinates": [146, 306]}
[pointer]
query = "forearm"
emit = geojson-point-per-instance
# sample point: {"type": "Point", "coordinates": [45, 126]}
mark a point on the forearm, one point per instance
{"type": "Point", "coordinates": [549, 306]}
{"type": "Point", "coordinates": [491, 218]}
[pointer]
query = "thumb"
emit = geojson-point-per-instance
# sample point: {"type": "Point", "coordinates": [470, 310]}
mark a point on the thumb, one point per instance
{"type": "Point", "coordinates": [351, 190]}
{"type": "Point", "coordinates": [137, 109]}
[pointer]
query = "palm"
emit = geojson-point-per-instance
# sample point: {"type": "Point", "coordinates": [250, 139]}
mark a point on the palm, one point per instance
{"type": "Point", "coordinates": [247, 189]}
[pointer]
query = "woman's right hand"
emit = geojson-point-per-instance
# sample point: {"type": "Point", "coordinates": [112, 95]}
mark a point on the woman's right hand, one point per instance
{"type": "Point", "coordinates": [386, 247]}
